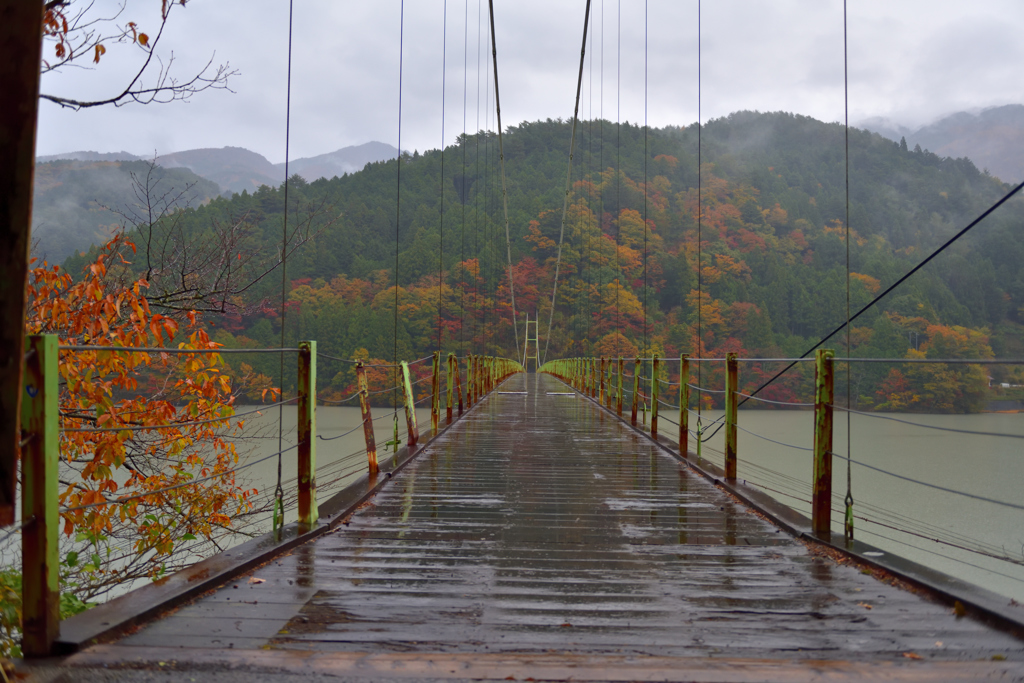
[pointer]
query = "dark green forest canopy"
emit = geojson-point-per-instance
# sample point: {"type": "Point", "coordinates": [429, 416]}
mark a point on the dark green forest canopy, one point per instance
{"type": "Point", "coordinates": [772, 255]}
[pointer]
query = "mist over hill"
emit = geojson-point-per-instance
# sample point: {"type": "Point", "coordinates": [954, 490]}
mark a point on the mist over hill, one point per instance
{"type": "Point", "coordinates": [993, 138]}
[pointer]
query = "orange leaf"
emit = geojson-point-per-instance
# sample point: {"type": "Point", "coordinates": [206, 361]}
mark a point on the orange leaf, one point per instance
{"type": "Point", "coordinates": [99, 51]}
{"type": "Point", "coordinates": [143, 40]}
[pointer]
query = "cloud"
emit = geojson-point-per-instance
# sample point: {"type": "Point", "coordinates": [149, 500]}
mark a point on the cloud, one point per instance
{"type": "Point", "coordinates": [911, 61]}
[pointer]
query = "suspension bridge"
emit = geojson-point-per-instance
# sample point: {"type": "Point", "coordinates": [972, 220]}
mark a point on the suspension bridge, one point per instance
{"type": "Point", "coordinates": [559, 518]}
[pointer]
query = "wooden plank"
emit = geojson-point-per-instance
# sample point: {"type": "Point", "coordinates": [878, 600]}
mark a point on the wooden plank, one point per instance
{"type": "Point", "coordinates": [544, 666]}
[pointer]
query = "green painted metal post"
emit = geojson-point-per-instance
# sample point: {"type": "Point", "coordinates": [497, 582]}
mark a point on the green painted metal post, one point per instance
{"type": "Point", "coordinates": [458, 384]}
{"type": "Point", "coordinates": [636, 390]}
{"type": "Point", "coordinates": [308, 513]}
{"type": "Point", "coordinates": [453, 368]}
{"type": "Point", "coordinates": [410, 408]}
{"type": "Point", "coordinates": [684, 405]}
{"type": "Point", "coordinates": [40, 565]}
{"type": "Point", "coordinates": [600, 389]}
{"type": "Point", "coordinates": [435, 396]}
{"type": "Point", "coordinates": [821, 502]}
{"type": "Point", "coordinates": [364, 408]}
{"type": "Point", "coordinates": [731, 387]}
{"type": "Point", "coordinates": [654, 397]}
{"type": "Point", "coordinates": [618, 393]}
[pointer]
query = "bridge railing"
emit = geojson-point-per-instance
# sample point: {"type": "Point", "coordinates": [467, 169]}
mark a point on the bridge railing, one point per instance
{"type": "Point", "coordinates": [43, 427]}
{"type": "Point", "coordinates": [639, 395]}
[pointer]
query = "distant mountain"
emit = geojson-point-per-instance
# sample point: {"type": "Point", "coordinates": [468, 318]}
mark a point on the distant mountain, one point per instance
{"type": "Point", "coordinates": [992, 139]}
{"type": "Point", "coordinates": [88, 156]}
{"type": "Point", "coordinates": [340, 162]}
{"type": "Point", "coordinates": [76, 201]}
{"type": "Point", "coordinates": [233, 168]}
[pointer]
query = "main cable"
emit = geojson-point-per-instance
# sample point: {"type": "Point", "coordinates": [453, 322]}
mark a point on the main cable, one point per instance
{"type": "Point", "coordinates": [504, 190]}
{"type": "Point", "coordinates": [568, 180]}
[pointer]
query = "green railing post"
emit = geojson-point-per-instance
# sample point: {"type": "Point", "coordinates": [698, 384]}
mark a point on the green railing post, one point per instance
{"type": "Point", "coordinates": [40, 588]}
{"type": "Point", "coordinates": [364, 408]}
{"type": "Point", "coordinates": [410, 408]}
{"type": "Point", "coordinates": [308, 513]}
{"type": "Point", "coordinates": [821, 502]}
{"type": "Point", "coordinates": [458, 383]}
{"type": "Point", "coordinates": [684, 405]}
{"type": "Point", "coordinates": [636, 390]}
{"type": "Point", "coordinates": [435, 396]}
{"type": "Point", "coordinates": [600, 390]}
{"type": "Point", "coordinates": [453, 368]}
{"type": "Point", "coordinates": [654, 397]}
{"type": "Point", "coordinates": [731, 387]}
{"type": "Point", "coordinates": [618, 392]}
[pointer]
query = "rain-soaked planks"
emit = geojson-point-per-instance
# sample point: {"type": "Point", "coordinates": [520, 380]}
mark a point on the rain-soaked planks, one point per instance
{"type": "Point", "coordinates": [542, 524]}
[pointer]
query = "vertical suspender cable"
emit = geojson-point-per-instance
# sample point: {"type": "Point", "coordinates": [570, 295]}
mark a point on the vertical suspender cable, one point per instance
{"type": "Point", "coordinates": [278, 519]}
{"type": "Point", "coordinates": [398, 203]}
{"type": "Point", "coordinates": [848, 526]}
{"type": "Point", "coordinates": [476, 174]}
{"type": "Point", "coordinates": [464, 188]}
{"type": "Point", "coordinates": [618, 164]}
{"type": "Point", "coordinates": [504, 188]}
{"type": "Point", "coordinates": [700, 213]}
{"type": "Point", "coordinates": [568, 182]}
{"type": "Point", "coordinates": [440, 254]}
{"type": "Point", "coordinates": [646, 154]}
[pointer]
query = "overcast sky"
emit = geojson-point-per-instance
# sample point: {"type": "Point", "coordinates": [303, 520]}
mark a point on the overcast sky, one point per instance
{"type": "Point", "coordinates": [911, 61]}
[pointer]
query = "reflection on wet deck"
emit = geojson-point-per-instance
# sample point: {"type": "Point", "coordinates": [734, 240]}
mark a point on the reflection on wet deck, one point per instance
{"type": "Point", "coordinates": [540, 523]}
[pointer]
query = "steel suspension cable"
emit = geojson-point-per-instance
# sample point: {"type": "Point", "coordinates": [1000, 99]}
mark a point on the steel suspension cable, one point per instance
{"type": "Point", "coordinates": [278, 520]}
{"type": "Point", "coordinates": [848, 501]}
{"type": "Point", "coordinates": [464, 190]}
{"type": "Point", "coordinates": [568, 180]}
{"type": "Point", "coordinates": [398, 198]}
{"type": "Point", "coordinates": [440, 251]}
{"type": "Point", "coordinates": [504, 187]}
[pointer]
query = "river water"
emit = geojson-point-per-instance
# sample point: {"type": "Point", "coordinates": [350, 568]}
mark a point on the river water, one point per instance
{"type": "Point", "coordinates": [987, 466]}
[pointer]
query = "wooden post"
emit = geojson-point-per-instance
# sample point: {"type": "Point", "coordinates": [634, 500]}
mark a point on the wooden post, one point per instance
{"type": "Point", "coordinates": [453, 368]}
{"type": "Point", "coordinates": [308, 513]}
{"type": "Point", "coordinates": [364, 409]}
{"type": "Point", "coordinates": [821, 502]}
{"type": "Point", "coordinates": [731, 387]}
{"type": "Point", "coordinates": [684, 405]}
{"type": "Point", "coordinates": [410, 408]}
{"type": "Point", "coordinates": [40, 563]}
{"type": "Point", "coordinates": [654, 397]}
{"type": "Point", "coordinates": [21, 43]}
{"type": "Point", "coordinates": [636, 390]}
{"type": "Point", "coordinates": [435, 396]}
{"type": "Point", "coordinates": [618, 393]}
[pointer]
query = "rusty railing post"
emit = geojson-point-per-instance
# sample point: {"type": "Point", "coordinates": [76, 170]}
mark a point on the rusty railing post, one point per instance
{"type": "Point", "coordinates": [731, 387]}
{"type": "Point", "coordinates": [452, 369]}
{"type": "Point", "coordinates": [364, 408]}
{"type": "Point", "coordinates": [618, 392]}
{"type": "Point", "coordinates": [410, 408]}
{"type": "Point", "coordinates": [40, 563]}
{"type": "Point", "coordinates": [636, 390]}
{"type": "Point", "coordinates": [458, 383]}
{"type": "Point", "coordinates": [600, 389]}
{"type": "Point", "coordinates": [654, 397]}
{"type": "Point", "coordinates": [469, 380]}
{"type": "Point", "coordinates": [821, 502]}
{"type": "Point", "coordinates": [308, 513]}
{"type": "Point", "coordinates": [684, 405]}
{"type": "Point", "coordinates": [435, 396]}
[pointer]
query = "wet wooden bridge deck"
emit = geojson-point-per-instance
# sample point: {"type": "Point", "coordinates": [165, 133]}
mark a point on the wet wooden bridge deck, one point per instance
{"type": "Point", "coordinates": [540, 537]}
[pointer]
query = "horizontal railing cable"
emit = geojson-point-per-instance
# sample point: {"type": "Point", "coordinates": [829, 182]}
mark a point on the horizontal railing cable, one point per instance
{"type": "Point", "coordinates": [338, 436]}
{"type": "Point", "coordinates": [780, 443]}
{"type": "Point", "coordinates": [778, 403]}
{"type": "Point", "coordinates": [119, 501]}
{"type": "Point", "coordinates": [137, 428]}
{"type": "Point", "coordinates": [156, 349]}
{"type": "Point", "coordinates": [925, 426]}
{"type": "Point", "coordinates": [973, 496]}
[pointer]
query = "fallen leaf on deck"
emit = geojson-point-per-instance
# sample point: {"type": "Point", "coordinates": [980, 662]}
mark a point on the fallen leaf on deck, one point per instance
{"type": "Point", "coordinates": [912, 655]}
{"type": "Point", "coordinates": [253, 579]}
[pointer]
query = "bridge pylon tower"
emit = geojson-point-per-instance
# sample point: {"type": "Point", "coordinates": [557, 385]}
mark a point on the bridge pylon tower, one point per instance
{"type": "Point", "coordinates": [536, 345]}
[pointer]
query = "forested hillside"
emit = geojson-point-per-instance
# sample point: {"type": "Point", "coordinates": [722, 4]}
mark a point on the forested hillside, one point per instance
{"type": "Point", "coordinates": [771, 253]}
